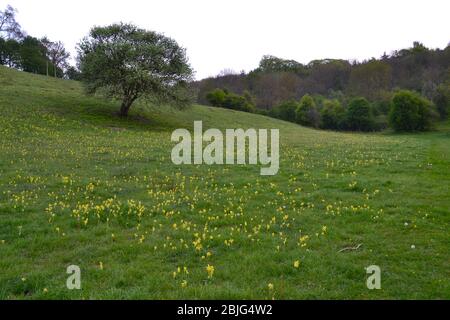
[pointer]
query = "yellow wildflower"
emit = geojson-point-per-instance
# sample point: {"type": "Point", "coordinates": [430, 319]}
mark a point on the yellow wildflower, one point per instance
{"type": "Point", "coordinates": [210, 271]}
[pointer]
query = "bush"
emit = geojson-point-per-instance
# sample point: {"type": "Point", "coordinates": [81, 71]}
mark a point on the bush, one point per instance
{"type": "Point", "coordinates": [216, 97]}
{"type": "Point", "coordinates": [237, 102]}
{"type": "Point", "coordinates": [359, 115]}
{"type": "Point", "coordinates": [332, 114]}
{"type": "Point", "coordinates": [410, 112]}
{"type": "Point", "coordinates": [224, 99]}
{"type": "Point", "coordinates": [286, 110]}
{"type": "Point", "coordinates": [306, 113]}
{"type": "Point", "coordinates": [381, 122]}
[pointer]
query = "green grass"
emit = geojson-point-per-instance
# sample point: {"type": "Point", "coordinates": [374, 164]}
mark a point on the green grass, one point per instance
{"type": "Point", "coordinates": [72, 174]}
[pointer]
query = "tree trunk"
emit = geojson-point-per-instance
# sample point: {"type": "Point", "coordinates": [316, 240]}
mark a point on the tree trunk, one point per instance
{"type": "Point", "coordinates": [125, 107]}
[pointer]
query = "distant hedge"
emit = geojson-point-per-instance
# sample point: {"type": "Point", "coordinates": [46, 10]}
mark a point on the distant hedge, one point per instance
{"type": "Point", "coordinates": [223, 98]}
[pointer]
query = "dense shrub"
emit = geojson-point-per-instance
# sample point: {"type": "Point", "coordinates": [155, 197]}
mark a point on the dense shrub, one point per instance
{"type": "Point", "coordinates": [237, 102]}
{"type": "Point", "coordinates": [410, 112]}
{"type": "Point", "coordinates": [286, 110]}
{"type": "Point", "coordinates": [225, 99]}
{"type": "Point", "coordinates": [332, 114]}
{"type": "Point", "coordinates": [359, 115]}
{"type": "Point", "coordinates": [381, 122]}
{"type": "Point", "coordinates": [216, 97]}
{"type": "Point", "coordinates": [307, 113]}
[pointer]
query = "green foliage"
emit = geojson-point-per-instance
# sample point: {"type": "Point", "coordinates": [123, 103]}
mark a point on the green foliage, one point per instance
{"type": "Point", "coordinates": [285, 111]}
{"type": "Point", "coordinates": [382, 105]}
{"type": "Point", "coordinates": [237, 102]}
{"type": "Point", "coordinates": [73, 73]}
{"type": "Point", "coordinates": [274, 64]}
{"type": "Point", "coordinates": [10, 53]}
{"type": "Point", "coordinates": [249, 98]}
{"type": "Point", "coordinates": [370, 79]}
{"type": "Point", "coordinates": [277, 80]}
{"type": "Point", "coordinates": [32, 56]}
{"type": "Point", "coordinates": [128, 63]}
{"type": "Point", "coordinates": [332, 114]}
{"type": "Point", "coordinates": [224, 99]}
{"type": "Point", "coordinates": [441, 100]}
{"type": "Point", "coordinates": [27, 54]}
{"type": "Point", "coordinates": [380, 122]}
{"type": "Point", "coordinates": [216, 97]}
{"type": "Point", "coordinates": [359, 115]}
{"type": "Point", "coordinates": [306, 113]}
{"type": "Point", "coordinates": [410, 112]}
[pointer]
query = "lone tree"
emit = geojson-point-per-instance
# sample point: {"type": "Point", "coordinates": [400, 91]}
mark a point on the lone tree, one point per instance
{"type": "Point", "coordinates": [128, 63]}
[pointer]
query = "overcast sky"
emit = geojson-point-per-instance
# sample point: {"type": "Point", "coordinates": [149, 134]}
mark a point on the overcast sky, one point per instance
{"type": "Point", "coordinates": [235, 34]}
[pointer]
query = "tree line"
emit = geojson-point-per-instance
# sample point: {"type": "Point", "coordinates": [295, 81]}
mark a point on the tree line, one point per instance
{"type": "Point", "coordinates": [27, 53]}
{"type": "Point", "coordinates": [339, 94]}
{"type": "Point", "coordinates": [406, 90]}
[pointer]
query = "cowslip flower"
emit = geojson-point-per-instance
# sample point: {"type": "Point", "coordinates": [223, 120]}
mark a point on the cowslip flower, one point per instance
{"type": "Point", "coordinates": [210, 271]}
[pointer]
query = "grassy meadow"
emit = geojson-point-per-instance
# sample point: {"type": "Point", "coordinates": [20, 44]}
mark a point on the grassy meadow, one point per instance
{"type": "Point", "coordinates": [80, 186]}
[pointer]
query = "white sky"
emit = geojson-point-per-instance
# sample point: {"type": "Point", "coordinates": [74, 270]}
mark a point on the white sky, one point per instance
{"type": "Point", "coordinates": [235, 34]}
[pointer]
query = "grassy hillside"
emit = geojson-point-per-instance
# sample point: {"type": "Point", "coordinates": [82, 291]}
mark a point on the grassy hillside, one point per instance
{"type": "Point", "coordinates": [79, 186]}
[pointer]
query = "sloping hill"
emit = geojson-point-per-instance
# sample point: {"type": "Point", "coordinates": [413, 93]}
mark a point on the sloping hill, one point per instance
{"type": "Point", "coordinates": [66, 98]}
{"type": "Point", "coordinates": [80, 186]}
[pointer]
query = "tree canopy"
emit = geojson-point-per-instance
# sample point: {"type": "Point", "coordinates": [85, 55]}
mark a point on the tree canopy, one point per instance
{"type": "Point", "coordinates": [127, 63]}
